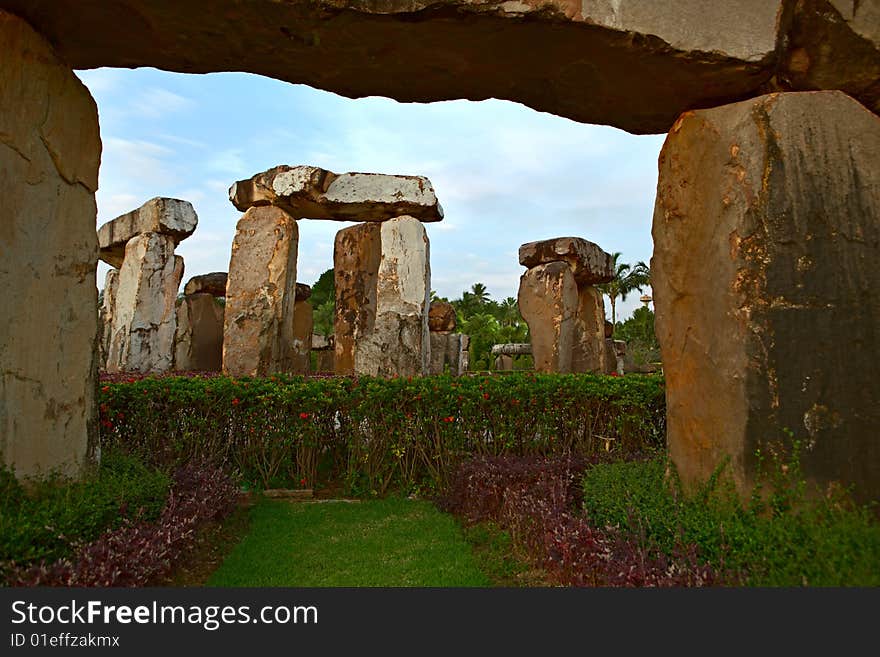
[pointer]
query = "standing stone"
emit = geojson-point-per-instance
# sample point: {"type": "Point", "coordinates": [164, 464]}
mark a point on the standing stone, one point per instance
{"type": "Point", "coordinates": [449, 350]}
{"type": "Point", "coordinates": [399, 344]}
{"type": "Point", "coordinates": [105, 312]}
{"type": "Point", "coordinates": [169, 216]}
{"type": "Point", "coordinates": [589, 263]}
{"type": "Point", "coordinates": [441, 317]}
{"type": "Point", "coordinates": [504, 363]}
{"type": "Point", "coordinates": [260, 294]}
{"type": "Point", "coordinates": [198, 344]}
{"type": "Point", "coordinates": [356, 255]}
{"type": "Point", "coordinates": [303, 323]}
{"type": "Point", "coordinates": [213, 283]}
{"type": "Point", "coordinates": [48, 328]}
{"type": "Point", "coordinates": [548, 302]}
{"type": "Point", "coordinates": [589, 334]}
{"type": "Point", "coordinates": [766, 286]}
{"type": "Point", "coordinates": [145, 319]}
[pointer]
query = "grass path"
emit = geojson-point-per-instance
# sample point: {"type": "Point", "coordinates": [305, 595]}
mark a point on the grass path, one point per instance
{"type": "Point", "coordinates": [390, 542]}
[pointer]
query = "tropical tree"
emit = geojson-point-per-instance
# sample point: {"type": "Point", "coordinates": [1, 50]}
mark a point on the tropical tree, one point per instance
{"type": "Point", "coordinates": [627, 278]}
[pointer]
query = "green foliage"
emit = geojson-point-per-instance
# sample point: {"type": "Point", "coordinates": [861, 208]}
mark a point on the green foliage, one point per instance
{"type": "Point", "coordinates": [390, 542]}
{"type": "Point", "coordinates": [377, 435]}
{"type": "Point", "coordinates": [781, 537]}
{"type": "Point", "coordinates": [323, 301]}
{"type": "Point", "coordinates": [489, 322]}
{"type": "Point", "coordinates": [52, 518]}
{"type": "Point", "coordinates": [627, 278]}
{"type": "Point", "coordinates": [642, 347]}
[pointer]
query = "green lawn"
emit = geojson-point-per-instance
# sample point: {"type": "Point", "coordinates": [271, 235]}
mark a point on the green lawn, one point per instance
{"type": "Point", "coordinates": [390, 542]}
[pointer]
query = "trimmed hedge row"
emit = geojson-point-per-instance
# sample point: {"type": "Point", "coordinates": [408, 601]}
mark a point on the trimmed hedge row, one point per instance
{"type": "Point", "coordinates": [376, 435]}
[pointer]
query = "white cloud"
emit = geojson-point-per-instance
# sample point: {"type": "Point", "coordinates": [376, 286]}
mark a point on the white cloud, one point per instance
{"type": "Point", "coordinates": [155, 102]}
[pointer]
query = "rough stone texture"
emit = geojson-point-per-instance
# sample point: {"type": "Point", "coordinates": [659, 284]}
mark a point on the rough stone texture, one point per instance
{"type": "Point", "coordinates": [213, 284]}
{"type": "Point", "coordinates": [303, 322]}
{"type": "Point", "coordinates": [449, 350]}
{"type": "Point", "coordinates": [321, 342]}
{"type": "Point", "coordinates": [307, 192]}
{"type": "Point", "coordinates": [588, 353]}
{"type": "Point", "coordinates": [399, 343]}
{"type": "Point", "coordinates": [634, 64]}
{"type": "Point", "coordinates": [512, 349]}
{"type": "Point", "coordinates": [145, 319]}
{"type": "Point", "coordinates": [105, 314]}
{"type": "Point", "coordinates": [589, 263]}
{"type": "Point", "coordinates": [260, 294]}
{"type": "Point", "coordinates": [782, 196]}
{"type": "Point", "coordinates": [504, 363]}
{"type": "Point", "coordinates": [548, 302]}
{"type": "Point", "coordinates": [49, 153]}
{"type": "Point", "coordinates": [356, 254]}
{"type": "Point", "coordinates": [198, 342]}
{"type": "Point", "coordinates": [168, 216]}
{"type": "Point", "coordinates": [326, 361]}
{"type": "Point", "coordinates": [609, 328]}
{"type": "Point", "coordinates": [441, 317]}
{"type": "Point", "coordinates": [303, 292]}
{"type": "Point", "coordinates": [835, 44]}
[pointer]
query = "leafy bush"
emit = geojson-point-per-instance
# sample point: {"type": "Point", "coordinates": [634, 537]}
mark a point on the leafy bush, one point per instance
{"type": "Point", "coordinates": [377, 435]}
{"type": "Point", "coordinates": [55, 517]}
{"type": "Point", "coordinates": [535, 500]}
{"type": "Point", "coordinates": [140, 551]}
{"type": "Point", "coordinates": [782, 537]}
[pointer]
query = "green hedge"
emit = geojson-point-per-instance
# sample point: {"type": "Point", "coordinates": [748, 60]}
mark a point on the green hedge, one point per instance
{"type": "Point", "coordinates": [375, 435]}
{"type": "Point", "coordinates": [51, 519]}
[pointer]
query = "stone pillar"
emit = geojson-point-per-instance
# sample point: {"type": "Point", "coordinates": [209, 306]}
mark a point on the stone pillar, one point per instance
{"type": "Point", "coordinates": [766, 286]}
{"type": "Point", "coordinates": [382, 283]}
{"type": "Point", "coordinates": [589, 333]}
{"type": "Point", "coordinates": [303, 322]}
{"type": "Point", "coordinates": [504, 363]}
{"type": "Point", "coordinates": [144, 317]}
{"type": "Point", "coordinates": [198, 344]}
{"type": "Point", "coordinates": [260, 294]}
{"type": "Point", "coordinates": [447, 348]}
{"type": "Point", "coordinates": [105, 313]}
{"type": "Point", "coordinates": [48, 328]}
{"type": "Point", "coordinates": [548, 302]}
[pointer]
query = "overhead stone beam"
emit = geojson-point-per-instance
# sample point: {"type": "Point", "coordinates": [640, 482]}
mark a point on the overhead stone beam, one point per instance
{"type": "Point", "coordinates": [166, 216]}
{"type": "Point", "coordinates": [213, 284]}
{"type": "Point", "coordinates": [307, 192]}
{"type": "Point", "coordinates": [589, 263]}
{"type": "Point", "coordinates": [512, 349]}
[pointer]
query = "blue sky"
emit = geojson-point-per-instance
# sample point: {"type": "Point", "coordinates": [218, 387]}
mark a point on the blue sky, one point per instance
{"type": "Point", "coordinates": [504, 173]}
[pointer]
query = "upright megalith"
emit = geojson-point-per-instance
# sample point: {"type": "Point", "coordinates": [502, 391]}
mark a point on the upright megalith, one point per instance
{"type": "Point", "coordinates": [580, 334]}
{"type": "Point", "coordinates": [105, 314]}
{"type": "Point", "coordinates": [308, 192]}
{"type": "Point", "coordinates": [260, 294]}
{"type": "Point", "coordinates": [449, 350]}
{"type": "Point", "coordinates": [303, 323]}
{"type": "Point", "coordinates": [49, 154]}
{"type": "Point", "coordinates": [168, 216]}
{"type": "Point", "coordinates": [780, 196]}
{"type": "Point", "coordinates": [144, 317]}
{"type": "Point", "coordinates": [383, 280]}
{"type": "Point", "coordinates": [198, 342]}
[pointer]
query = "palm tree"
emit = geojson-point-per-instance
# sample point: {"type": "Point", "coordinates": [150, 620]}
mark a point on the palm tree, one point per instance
{"type": "Point", "coordinates": [509, 312]}
{"type": "Point", "coordinates": [626, 279]}
{"type": "Point", "coordinates": [480, 293]}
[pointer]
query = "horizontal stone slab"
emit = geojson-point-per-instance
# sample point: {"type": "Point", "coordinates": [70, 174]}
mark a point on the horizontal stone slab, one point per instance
{"type": "Point", "coordinates": [512, 349]}
{"type": "Point", "coordinates": [321, 342]}
{"type": "Point", "coordinates": [213, 283]}
{"type": "Point", "coordinates": [589, 263]}
{"type": "Point", "coordinates": [303, 292]}
{"type": "Point", "coordinates": [307, 192]}
{"type": "Point", "coordinates": [166, 216]}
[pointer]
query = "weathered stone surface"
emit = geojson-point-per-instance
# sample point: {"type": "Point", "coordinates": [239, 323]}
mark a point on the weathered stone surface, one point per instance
{"type": "Point", "coordinates": [782, 196]}
{"type": "Point", "coordinates": [441, 317]}
{"type": "Point", "coordinates": [589, 263]}
{"type": "Point", "coordinates": [548, 302]}
{"type": "Point", "coordinates": [303, 292]}
{"type": "Point", "coordinates": [504, 363]}
{"type": "Point", "coordinates": [321, 342]}
{"type": "Point", "coordinates": [303, 322]}
{"type": "Point", "coordinates": [105, 314]}
{"type": "Point", "coordinates": [198, 342]}
{"type": "Point", "coordinates": [260, 294]}
{"type": "Point", "coordinates": [635, 64]}
{"type": "Point", "coordinates": [213, 284]}
{"type": "Point", "coordinates": [588, 353]}
{"type": "Point", "coordinates": [144, 319]}
{"type": "Point", "coordinates": [168, 216]}
{"type": "Point", "coordinates": [307, 192]}
{"type": "Point", "coordinates": [449, 353]}
{"type": "Point", "coordinates": [399, 343]}
{"type": "Point", "coordinates": [835, 44]}
{"type": "Point", "coordinates": [609, 328]}
{"type": "Point", "coordinates": [49, 153]}
{"type": "Point", "coordinates": [512, 349]}
{"type": "Point", "coordinates": [356, 254]}
{"type": "Point", "coordinates": [326, 361]}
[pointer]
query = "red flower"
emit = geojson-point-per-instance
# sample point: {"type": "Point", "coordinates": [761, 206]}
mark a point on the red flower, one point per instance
{"type": "Point", "coordinates": [302, 482]}
{"type": "Point", "coordinates": [105, 389]}
{"type": "Point", "coordinates": [613, 374]}
{"type": "Point", "coordinates": [449, 419]}
{"type": "Point", "coordinates": [235, 402]}
{"type": "Point", "coordinates": [485, 395]}
{"type": "Point", "coordinates": [303, 416]}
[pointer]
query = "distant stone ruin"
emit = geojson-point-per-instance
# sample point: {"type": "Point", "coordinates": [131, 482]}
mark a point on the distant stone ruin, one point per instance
{"type": "Point", "coordinates": [559, 302]}
{"type": "Point", "coordinates": [303, 323]}
{"type": "Point", "coordinates": [504, 354]}
{"type": "Point", "coordinates": [449, 350]}
{"type": "Point", "coordinates": [198, 343]}
{"type": "Point", "coordinates": [139, 314]}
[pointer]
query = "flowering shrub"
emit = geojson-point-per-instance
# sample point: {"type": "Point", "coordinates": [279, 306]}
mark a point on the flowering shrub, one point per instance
{"type": "Point", "coordinates": [536, 499]}
{"type": "Point", "coordinates": [140, 551]}
{"type": "Point", "coordinates": [377, 434]}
